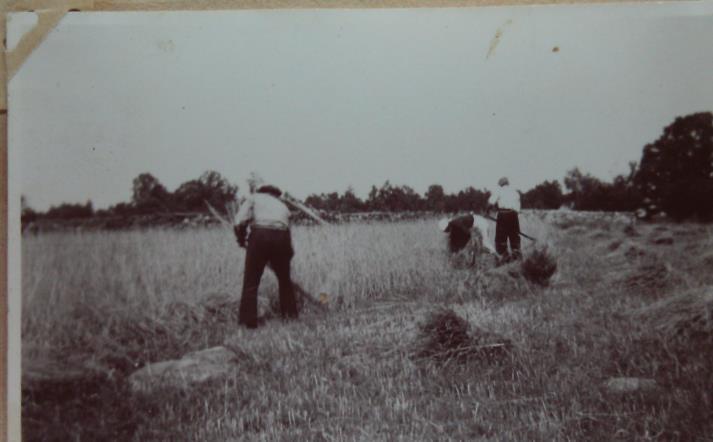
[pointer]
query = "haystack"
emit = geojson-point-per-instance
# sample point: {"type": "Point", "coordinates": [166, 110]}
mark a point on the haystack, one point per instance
{"type": "Point", "coordinates": [687, 317]}
{"type": "Point", "coordinates": [651, 276]}
{"type": "Point", "coordinates": [539, 266]}
{"type": "Point", "coordinates": [445, 337]}
{"type": "Point", "coordinates": [504, 282]}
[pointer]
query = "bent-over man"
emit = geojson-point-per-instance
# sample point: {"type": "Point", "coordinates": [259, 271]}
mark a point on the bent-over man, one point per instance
{"type": "Point", "coordinates": [507, 225]}
{"type": "Point", "coordinates": [462, 231]}
{"type": "Point", "coordinates": [262, 228]}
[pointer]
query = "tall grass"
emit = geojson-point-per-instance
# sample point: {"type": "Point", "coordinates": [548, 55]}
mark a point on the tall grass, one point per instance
{"type": "Point", "coordinates": [348, 374]}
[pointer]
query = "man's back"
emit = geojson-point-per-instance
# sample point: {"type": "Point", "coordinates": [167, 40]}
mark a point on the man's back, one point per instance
{"type": "Point", "coordinates": [264, 210]}
{"type": "Point", "coordinates": [506, 198]}
{"type": "Point", "coordinates": [269, 210]}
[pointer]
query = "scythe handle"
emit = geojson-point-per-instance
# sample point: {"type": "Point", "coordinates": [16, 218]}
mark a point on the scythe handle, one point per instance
{"type": "Point", "coordinates": [521, 234]}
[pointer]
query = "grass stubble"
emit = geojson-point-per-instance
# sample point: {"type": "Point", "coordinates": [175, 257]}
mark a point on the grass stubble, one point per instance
{"type": "Point", "coordinates": [112, 302]}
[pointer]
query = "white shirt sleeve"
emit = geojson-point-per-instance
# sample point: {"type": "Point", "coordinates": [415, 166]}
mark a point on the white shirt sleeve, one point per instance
{"type": "Point", "coordinates": [494, 196]}
{"type": "Point", "coordinates": [245, 214]}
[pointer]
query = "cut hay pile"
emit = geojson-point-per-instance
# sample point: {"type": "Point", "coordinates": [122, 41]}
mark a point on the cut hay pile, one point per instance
{"type": "Point", "coordinates": [632, 250]}
{"type": "Point", "coordinates": [445, 337]}
{"type": "Point", "coordinates": [539, 266]}
{"type": "Point", "coordinates": [651, 277]}
{"type": "Point", "coordinates": [505, 282]}
{"type": "Point", "coordinates": [687, 317]}
{"type": "Point", "coordinates": [707, 259]}
{"type": "Point", "coordinates": [630, 230]}
{"type": "Point", "coordinates": [120, 340]}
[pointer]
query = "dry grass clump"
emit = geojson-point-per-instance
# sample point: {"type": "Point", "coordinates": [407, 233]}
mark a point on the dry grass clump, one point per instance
{"type": "Point", "coordinates": [707, 259]}
{"type": "Point", "coordinates": [651, 276]}
{"type": "Point", "coordinates": [119, 341]}
{"type": "Point", "coordinates": [445, 337]}
{"type": "Point", "coordinates": [221, 307]}
{"type": "Point", "coordinates": [687, 317]}
{"type": "Point", "coordinates": [630, 230]}
{"type": "Point", "coordinates": [539, 266]}
{"type": "Point", "coordinates": [632, 250]}
{"type": "Point", "coordinates": [502, 283]}
{"type": "Point", "coordinates": [614, 245]}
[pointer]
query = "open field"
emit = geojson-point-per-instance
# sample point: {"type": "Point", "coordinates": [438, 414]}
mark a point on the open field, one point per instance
{"type": "Point", "coordinates": [627, 299]}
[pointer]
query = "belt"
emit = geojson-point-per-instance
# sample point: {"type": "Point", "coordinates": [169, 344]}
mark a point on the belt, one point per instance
{"type": "Point", "coordinates": [277, 225]}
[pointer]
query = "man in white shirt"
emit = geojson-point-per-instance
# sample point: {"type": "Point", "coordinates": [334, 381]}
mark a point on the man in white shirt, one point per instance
{"type": "Point", "coordinates": [507, 226]}
{"type": "Point", "coordinates": [262, 227]}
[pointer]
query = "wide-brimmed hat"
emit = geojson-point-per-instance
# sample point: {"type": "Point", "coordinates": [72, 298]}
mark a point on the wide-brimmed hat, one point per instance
{"type": "Point", "coordinates": [443, 224]}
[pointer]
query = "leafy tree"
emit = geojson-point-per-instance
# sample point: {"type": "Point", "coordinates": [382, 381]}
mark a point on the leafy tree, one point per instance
{"type": "Point", "coordinates": [210, 187]}
{"type": "Point", "coordinates": [120, 209]}
{"type": "Point", "coordinates": [585, 191]}
{"type": "Point", "coordinates": [469, 199]}
{"type": "Point", "coordinates": [149, 195]}
{"type": "Point", "coordinates": [676, 171]}
{"type": "Point", "coordinates": [70, 211]}
{"type": "Point", "coordinates": [624, 196]}
{"type": "Point", "coordinates": [394, 198]}
{"type": "Point", "coordinates": [349, 202]}
{"type": "Point", "coordinates": [27, 214]}
{"type": "Point", "coordinates": [546, 195]}
{"type": "Point", "coordinates": [589, 193]}
{"type": "Point", "coordinates": [435, 198]}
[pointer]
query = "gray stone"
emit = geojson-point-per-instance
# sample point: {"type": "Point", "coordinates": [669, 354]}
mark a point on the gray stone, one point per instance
{"type": "Point", "coordinates": [630, 385]}
{"type": "Point", "coordinates": [193, 368]}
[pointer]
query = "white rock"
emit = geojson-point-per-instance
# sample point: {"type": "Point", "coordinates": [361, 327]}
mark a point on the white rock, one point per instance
{"type": "Point", "coordinates": [193, 368]}
{"type": "Point", "coordinates": [629, 385]}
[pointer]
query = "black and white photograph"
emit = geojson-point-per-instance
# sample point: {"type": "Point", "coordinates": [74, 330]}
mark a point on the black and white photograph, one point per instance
{"type": "Point", "coordinates": [388, 224]}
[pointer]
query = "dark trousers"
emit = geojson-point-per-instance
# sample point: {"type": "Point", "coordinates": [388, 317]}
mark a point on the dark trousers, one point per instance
{"type": "Point", "coordinates": [507, 228]}
{"type": "Point", "coordinates": [274, 247]}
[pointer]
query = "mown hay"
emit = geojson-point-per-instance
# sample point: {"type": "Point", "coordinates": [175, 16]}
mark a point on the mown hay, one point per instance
{"type": "Point", "coordinates": [630, 230]}
{"type": "Point", "coordinates": [221, 307]}
{"type": "Point", "coordinates": [651, 276]}
{"type": "Point", "coordinates": [687, 317]}
{"type": "Point", "coordinates": [539, 266]}
{"type": "Point", "coordinates": [614, 245]}
{"type": "Point", "coordinates": [445, 337]}
{"type": "Point", "coordinates": [663, 240]}
{"type": "Point", "coordinates": [120, 340]}
{"type": "Point", "coordinates": [632, 250]}
{"type": "Point", "coordinates": [707, 259]}
{"type": "Point", "coordinates": [503, 282]}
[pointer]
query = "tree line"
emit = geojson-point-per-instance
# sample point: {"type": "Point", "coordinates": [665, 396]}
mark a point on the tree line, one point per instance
{"type": "Point", "coordinates": [674, 176]}
{"type": "Point", "coordinates": [150, 197]}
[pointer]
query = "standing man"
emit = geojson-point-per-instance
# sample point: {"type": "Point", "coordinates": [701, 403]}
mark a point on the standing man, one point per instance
{"type": "Point", "coordinates": [507, 226]}
{"type": "Point", "coordinates": [262, 227]}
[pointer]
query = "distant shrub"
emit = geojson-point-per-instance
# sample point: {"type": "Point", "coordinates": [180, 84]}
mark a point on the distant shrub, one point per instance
{"type": "Point", "coordinates": [539, 266]}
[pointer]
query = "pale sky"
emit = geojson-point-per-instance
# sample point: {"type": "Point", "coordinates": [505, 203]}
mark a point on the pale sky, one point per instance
{"type": "Point", "coordinates": [318, 100]}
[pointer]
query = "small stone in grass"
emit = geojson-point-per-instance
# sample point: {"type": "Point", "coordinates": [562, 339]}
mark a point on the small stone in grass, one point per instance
{"type": "Point", "coordinates": [624, 385]}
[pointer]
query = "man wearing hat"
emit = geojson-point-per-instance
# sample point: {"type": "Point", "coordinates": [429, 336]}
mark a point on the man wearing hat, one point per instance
{"type": "Point", "coordinates": [507, 225]}
{"type": "Point", "coordinates": [262, 228]}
